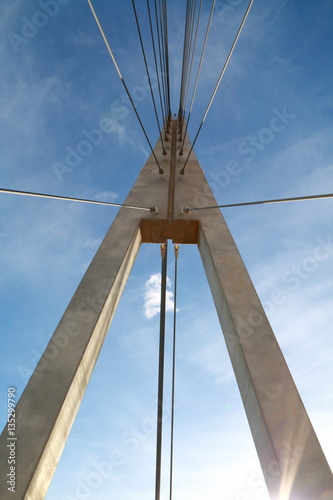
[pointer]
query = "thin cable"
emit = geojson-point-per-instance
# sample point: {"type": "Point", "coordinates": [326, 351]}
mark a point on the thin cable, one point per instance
{"type": "Point", "coordinates": [159, 31]}
{"type": "Point", "coordinates": [263, 202]}
{"type": "Point", "coordinates": [218, 82]}
{"type": "Point", "coordinates": [124, 84]}
{"type": "Point", "coordinates": [188, 51]}
{"type": "Point", "coordinates": [161, 53]}
{"type": "Point", "coordinates": [164, 252]}
{"type": "Point", "coordinates": [67, 198]}
{"type": "Point", "coordinates": [166, 44]}
{"type": "Point", "coordinates": [193, 52]}
{"type": "Point", "coordinates": [159, 77]}
{"type": "Point", "coordinates": [173, 369]}
{"type": "Point", "coordinates": [180, 112]}
{"type": "Point", "coordinates": [189, 76]}
{"type": "Point", "coordinates": [164, 54]}
{"type": "Point", "coordinates": [148, 74]}
{"type": "Point", "coordinates": [190, 7]}
{"type": "Point", "coordinates": [198, 73]}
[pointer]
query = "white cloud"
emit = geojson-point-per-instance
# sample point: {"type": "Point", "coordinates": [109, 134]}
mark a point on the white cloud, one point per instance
{"type": "Point", "coordinates": [82, 39]}
{"type": "Point", "coordinates": [36, 233]}
{"type": "Point", "coordinates": [106, 196]}
{"type": "Point", "coordinates": [152, 296]}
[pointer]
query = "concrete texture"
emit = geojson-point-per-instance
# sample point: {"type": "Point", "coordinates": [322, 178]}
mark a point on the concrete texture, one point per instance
{"type": "Point", "coordinates": [291, 457]}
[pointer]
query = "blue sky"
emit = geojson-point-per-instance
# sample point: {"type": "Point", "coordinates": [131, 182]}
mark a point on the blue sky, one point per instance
{"type": "Point", "coordinates": [268, 135]}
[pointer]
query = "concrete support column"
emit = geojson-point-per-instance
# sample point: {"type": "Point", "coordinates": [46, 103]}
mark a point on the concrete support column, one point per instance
{"type": "Point", "coordinates": [293, 463]}
{"type": "Point", "coordinates": [291, 457]}
{"type": "Point", "coordinates": [48, 405]}
{"type": "Point", "coordinates": [50, 401]}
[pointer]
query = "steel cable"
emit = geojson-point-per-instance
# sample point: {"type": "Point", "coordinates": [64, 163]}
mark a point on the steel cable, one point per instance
{"type": "Point", "coordinates": [166, 43]}
{"type": "Point", "coordinates": [192, 47]}
{"type": "Point", "coordinates": [159, 31]}
{"type": "Point", "coordinates": [68, 198]}
{"type": "Point", "coordinates": [164, 255]}
{"type": "Point", "coordinates": [188, 20]}
{"type": "Point", "coordinates": [124, 84]}
{"type": "Point", "coordinates": [191, 61]}
{"type": "Point", "coordinates": [148, 74]}
{"type": "Point", "coordinates": [159, 77]}
{"type": "Point", "coordinates": [198, 73]}
{"type": "Point", "coordinates": [264, 202]}
{"type": "Point", "coordinates": [182, 171]}
{"type": "Point", "coordinates": [176, 248]}
{"type": "Point", "coordinates": [159, 23]}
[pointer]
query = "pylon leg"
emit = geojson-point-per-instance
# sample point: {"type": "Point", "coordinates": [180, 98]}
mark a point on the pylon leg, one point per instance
{"type": "Point", "coordinates": [293, 463]}
{"type": "Point", "coordinates": [49, 403]}
{"type": "Point", "coordinates": [291, 457]}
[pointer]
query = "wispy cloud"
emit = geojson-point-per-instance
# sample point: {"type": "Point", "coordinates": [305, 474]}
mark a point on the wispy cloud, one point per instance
{"type": "Point", "coordinates": [152, 296]}
{"type": "Point", "coordinates": [82, 39]}
{"type": "Point", "coordinates": [35, 235]}
{"type": "Point", "coordinates": [106, 196]}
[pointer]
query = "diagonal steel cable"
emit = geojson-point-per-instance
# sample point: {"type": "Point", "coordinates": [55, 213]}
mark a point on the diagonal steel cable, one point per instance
{"type": "Point", "coordinates": [191, 56]}
{"type": "Point", "coordinates": [68, 198]}
{"type": "Point", "coordinates": [159, 77]}
{"type": "Point", "coordinates": [263, 202]}
{"type": "Point", "coordinates": [182, 171]}
{"type": "Point", "coordinates": [198, 74]}
{"type": "Point", "coordinates": [166, 49]}
{"type": "Point", "coordinates": [160, 54]}
{"type": "Point", "coordinates": [192, 50]}
{"type": "Point", "coordinates": [124, 84]}
{"type": "Point", "coordinates": [190, 8]}
{"type": "Point", "coordinates": [148, 74]}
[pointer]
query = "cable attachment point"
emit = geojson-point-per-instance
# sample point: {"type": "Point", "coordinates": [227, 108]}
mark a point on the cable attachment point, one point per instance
{"type": "Point", "coordinates": [163, 249]}
{"type": "Point", "coordinates": [154, 210]}
{"type": "Point", "coordinates": [184, 210]}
